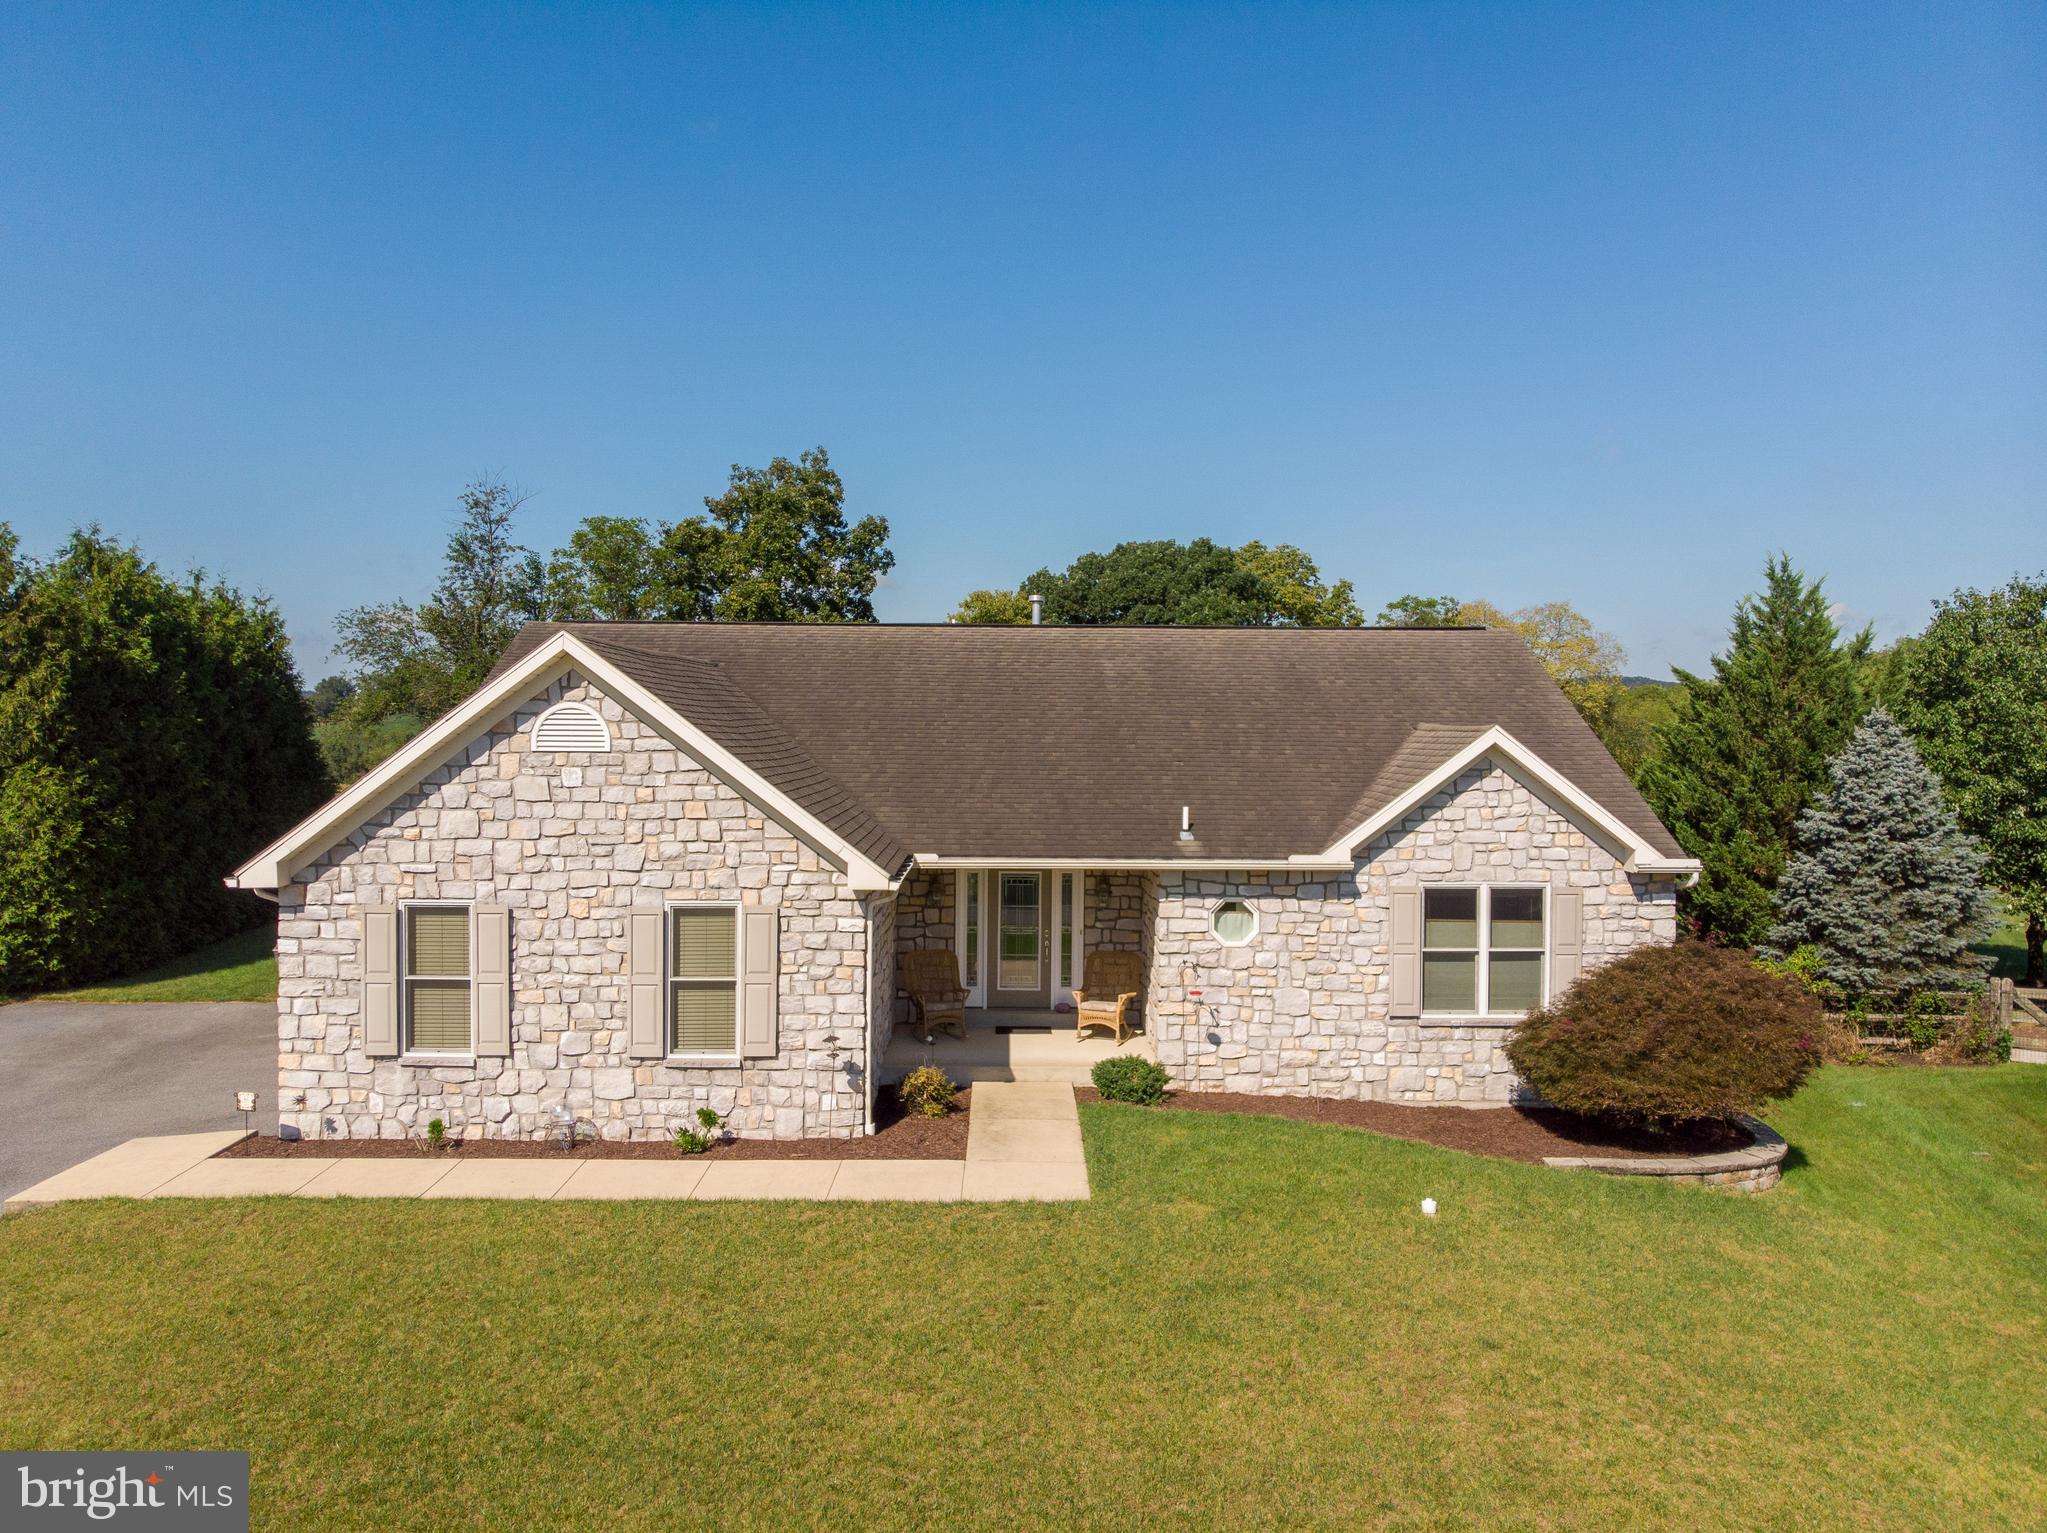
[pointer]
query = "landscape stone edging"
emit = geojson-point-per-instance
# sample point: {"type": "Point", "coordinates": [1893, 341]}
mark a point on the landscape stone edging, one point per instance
{"type": "Point", "coordinates": [1755, 1169]}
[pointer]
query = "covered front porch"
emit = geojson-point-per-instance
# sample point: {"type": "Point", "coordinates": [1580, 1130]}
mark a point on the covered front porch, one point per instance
{"type": "Point", "coordinates": [1020, 938]}
{"type": "Point", "coordinates": [1009, 1046]}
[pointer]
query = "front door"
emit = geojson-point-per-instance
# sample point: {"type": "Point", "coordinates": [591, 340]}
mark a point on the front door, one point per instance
{"type": "Point", "coordinates": [1022, 977]}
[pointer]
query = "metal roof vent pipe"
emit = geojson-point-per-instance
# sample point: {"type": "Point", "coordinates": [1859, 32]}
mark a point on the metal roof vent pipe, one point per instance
{"type": "Point", "coordinates": [1186, 822]}
{"type": "Point", "coordinates": [1037, 608]}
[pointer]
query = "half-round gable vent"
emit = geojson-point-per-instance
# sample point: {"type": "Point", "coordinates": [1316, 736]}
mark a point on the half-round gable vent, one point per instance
{"type": "Point", "coordinates": [571, 727]}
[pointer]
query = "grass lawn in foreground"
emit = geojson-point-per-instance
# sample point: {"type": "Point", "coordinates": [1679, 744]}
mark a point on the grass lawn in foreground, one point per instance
{"type": "Point", "coordinates": [241, 968]}
{"type": "Point", "coordinates": [1251, 1325]}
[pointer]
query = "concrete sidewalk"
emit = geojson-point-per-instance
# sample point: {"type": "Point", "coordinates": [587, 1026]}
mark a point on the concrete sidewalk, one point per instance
{"type": "Point", "coordinates": [1023, 1143]}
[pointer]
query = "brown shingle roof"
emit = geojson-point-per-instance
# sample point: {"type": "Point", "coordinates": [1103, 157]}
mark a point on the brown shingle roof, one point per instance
{"type": "Point", "coordinates": [1084, 742]}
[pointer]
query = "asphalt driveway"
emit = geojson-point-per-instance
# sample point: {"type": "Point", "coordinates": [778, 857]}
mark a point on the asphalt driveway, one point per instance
{"type": "Point", "coordinates": [75, 1080]}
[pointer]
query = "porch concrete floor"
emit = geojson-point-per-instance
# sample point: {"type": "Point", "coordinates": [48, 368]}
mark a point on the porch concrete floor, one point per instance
{"type": "Point", "coordinates": [986, 1054]}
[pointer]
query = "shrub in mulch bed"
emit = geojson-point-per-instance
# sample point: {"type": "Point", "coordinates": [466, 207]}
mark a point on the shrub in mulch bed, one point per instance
{"type": "Point", "coordinates": [1126, 1078]}
{"type": "Point", "coordinates": [1671, 1035]}
{"type": "Point", "coordinates": [1506, 1133]}
{"type": "Point", "coordinates": [897, 1136]}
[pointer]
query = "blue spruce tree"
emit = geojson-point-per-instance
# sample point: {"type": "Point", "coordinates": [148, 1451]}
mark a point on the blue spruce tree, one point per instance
{"type": "Point", "coordinates": [1883, 884]}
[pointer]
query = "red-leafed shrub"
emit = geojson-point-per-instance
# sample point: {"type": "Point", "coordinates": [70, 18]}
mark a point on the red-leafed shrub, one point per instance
{"type": "Point", "coordinates": [1671, 1035]}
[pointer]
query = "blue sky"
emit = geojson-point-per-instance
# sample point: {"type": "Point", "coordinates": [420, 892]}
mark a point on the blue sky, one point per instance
{"type": "Point", "coordinates": [1522, 301]}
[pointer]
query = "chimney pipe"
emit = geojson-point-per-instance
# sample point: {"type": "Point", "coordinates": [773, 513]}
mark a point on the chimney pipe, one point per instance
{"type": "Point", "coordinates": [1037, 609]}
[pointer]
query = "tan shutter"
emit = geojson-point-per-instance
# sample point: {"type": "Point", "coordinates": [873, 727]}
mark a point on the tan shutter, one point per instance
{"type": "Point", "coordinates": [1407, 953]}
{"type": "Point", "coordinates": [1566, 939]}
{"type": "Point", "coordinates": [645, 980]}
{"type": "Point", "coordinates": [760, 957]}
{"type": "Point", "coordinates": [380, 982]}
{"type": "Point", "coordinates": [490, 969]}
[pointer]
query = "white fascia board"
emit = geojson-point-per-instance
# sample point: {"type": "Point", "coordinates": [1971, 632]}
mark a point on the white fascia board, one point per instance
{"type": "Point", "coordinates": [1639, 857]}
{"type": "Point", "coordinates": [310, 839]}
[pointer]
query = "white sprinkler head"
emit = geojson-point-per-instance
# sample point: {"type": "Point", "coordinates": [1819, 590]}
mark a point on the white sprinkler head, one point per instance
{"type": "Point", "coordinates": [1429, 1207]}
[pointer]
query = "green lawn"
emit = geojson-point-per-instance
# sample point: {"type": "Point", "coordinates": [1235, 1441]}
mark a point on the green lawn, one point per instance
{"type": "Point", "coordinates": [242, 968]}
{"type": "Point", "coordinates": [1251, 1325]}
{"type": "Point", "coordinates": [2007, 946]}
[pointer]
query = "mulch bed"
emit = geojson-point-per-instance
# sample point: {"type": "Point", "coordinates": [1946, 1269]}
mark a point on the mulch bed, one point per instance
{"type": "Point", "coordinates": [896, 1137]}
{"type": "Point", "coordinates": [1507, 1133]}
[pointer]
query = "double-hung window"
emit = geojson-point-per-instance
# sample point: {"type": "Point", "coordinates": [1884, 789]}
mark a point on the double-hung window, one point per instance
{"type": "Point", "coordinates": [437, 979]}
{"type": "Point", "coordinates": [1482, 950]}
{"type": "Point", "coordinates": [703, 980]}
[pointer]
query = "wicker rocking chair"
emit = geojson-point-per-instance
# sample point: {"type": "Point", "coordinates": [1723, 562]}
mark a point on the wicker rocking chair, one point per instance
{"type": "Point", "coordinates": [937, 999]}
{"type": "Point", "coordinates": [1109, 992]}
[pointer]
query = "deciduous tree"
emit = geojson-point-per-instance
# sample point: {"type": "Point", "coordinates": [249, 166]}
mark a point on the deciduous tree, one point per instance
{"type": "Point", "coordinates": [1172, 584]}
{"type": "Point", "coordinates": [783, 550]}
{"type": "Point", "coordinates": [1419, 612]}
{"type": "Point", "coordinates": [1584, 662]}
{"type": "Point", "coordinates": [1300, 597]}
{"type": "Point", "coordinates": [993, 608]}
{"type": "Point", "coordinates": [1974, 696]}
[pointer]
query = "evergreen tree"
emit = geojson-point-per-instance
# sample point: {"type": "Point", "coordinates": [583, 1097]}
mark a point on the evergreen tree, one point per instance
{"type": "Point", "coordinates": [1748, 748]}
{"type": "Point", "coordinates": [152, 735]}
{"type": "Point", "coordinates": [1884, 883]}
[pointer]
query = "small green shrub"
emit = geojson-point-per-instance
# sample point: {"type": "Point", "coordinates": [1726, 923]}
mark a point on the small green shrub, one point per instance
{"type": "Point", "coordinates": [1127, 1078]}
{"type": "Point", "coordinates": [1803, 964]}
{"type": "Point", "coordinates": [1977, 1038]}
{"type": "Point", "coordinates": [1670, 1035]}
{"type": "Point", "coordinates": [1925, 1019]}
{"type": "Point", "coordinates": [436, 1133]}
{"type": "Point", "coordinates": [927, 1091]}
{"type": "Point", "coordinates": [695, 1141]}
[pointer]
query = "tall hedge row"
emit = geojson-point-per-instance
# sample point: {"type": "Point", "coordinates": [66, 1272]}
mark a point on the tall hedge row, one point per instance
{"type": "Point", "coordinates": [152, 735]}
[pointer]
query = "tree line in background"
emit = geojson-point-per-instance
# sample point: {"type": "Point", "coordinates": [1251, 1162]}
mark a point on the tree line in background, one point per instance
{"type": "Point", "coordinates": [1730, 759]}
{"type": "Point", "coordinates": [774, 547]}
{"type": "Point", "coordinates": [142, 715]}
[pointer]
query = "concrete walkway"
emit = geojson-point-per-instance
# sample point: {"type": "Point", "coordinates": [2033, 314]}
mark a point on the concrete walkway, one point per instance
{"type": "Point", "coordinates": [1023, 1143]}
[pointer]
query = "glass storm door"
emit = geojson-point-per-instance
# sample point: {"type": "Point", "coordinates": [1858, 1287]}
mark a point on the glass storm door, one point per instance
{"type": "Point", "coordinates": [1020, 940]}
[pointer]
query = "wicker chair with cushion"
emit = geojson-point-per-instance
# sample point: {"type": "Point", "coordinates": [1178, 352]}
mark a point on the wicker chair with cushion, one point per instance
{"type": "Point", "coordinates": [1109, 993]}
{"type": "Point", "coordinates": [932, 977]}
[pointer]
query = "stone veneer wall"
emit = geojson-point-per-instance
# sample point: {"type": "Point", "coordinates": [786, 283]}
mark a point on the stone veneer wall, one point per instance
{"type": "Point", "coordinates": [570, 843]}
{"type": "Point", "coordinates": [1117, 908]}
{"type": "Point", "coordinates": [924, 918]}
{"type": "Point", "coordinates": [1302, 1008]}
{"type": "Point", "coordinates": [1122, 914]}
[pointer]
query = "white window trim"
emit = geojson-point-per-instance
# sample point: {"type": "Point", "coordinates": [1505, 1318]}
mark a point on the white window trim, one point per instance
{"type": "Point", "coordinates": [669, 978]}
{"type": "Point", "coordinates": [977, 988]}
{"type": "Point", "coordinates": [1483, 983]}
{"type": "Point", "coordinates": [565, 706]}
{"type": "Point", "coordinates": [1062, 990]}
{"type": "Point", "coordinates": [1257, 921]}
{"type": "Point", "coordinates": [407, 1053]}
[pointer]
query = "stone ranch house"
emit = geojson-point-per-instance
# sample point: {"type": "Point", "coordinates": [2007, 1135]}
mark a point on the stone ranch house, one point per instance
{"type": "Point", "coordinates": [651, 867]}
